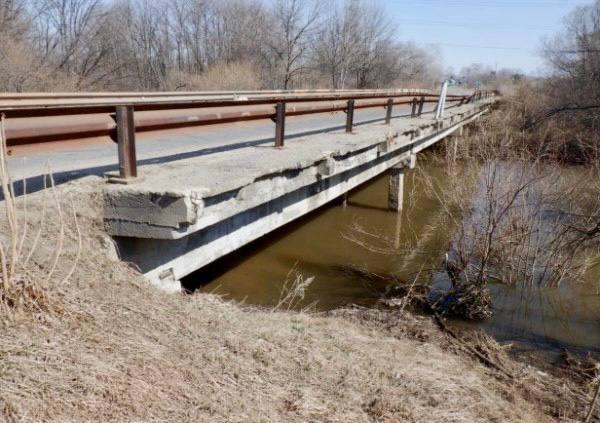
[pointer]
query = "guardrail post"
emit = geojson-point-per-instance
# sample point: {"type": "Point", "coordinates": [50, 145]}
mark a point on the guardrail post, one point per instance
{"type": "Point", "coordinates": [350, 116]}
{"type": "Point", "coordinates": [279, 124]}
{"type": "Point", "coordinates": [126, 142]}
{"type": "Point", "coordinates": [421, 105]}
{"type": "Point", "coordinates": [413, 112]}
{"type": "Point", "coordinates": [388, 111]}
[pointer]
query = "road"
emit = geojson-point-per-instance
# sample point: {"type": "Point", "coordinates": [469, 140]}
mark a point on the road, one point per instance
{"type": "Point", "coordinates": [100, 156]}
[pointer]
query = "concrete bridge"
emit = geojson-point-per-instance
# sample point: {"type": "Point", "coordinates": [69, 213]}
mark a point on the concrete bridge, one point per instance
{"type": "Point", "coordinates": [172, 217]}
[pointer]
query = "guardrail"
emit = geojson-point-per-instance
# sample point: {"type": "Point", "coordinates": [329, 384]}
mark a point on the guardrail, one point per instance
{"type": "Point", "coordinates": [36, 118]}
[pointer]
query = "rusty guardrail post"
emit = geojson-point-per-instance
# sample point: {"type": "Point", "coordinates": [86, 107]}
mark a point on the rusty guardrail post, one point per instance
{"type": "Point", "coordinates": [413, 112]}
{"type": "Point", "coordinates": [126, 142]}
{"type": "Point", "coordinates": [279, 124]}
{"type": "Point", "coordinates": [421, 105]}
{"type": "Point", "coordinates": [388, 111]}
{"type": "Point", "coordinates": [349, 116]}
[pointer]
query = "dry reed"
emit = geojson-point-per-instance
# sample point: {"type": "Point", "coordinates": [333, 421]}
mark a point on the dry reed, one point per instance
{"type": "Point", "coordinates": [27, 281]}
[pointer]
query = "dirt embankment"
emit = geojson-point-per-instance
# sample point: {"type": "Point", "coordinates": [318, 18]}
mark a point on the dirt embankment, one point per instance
{"type": "Point", "coordinates": [113, 348]}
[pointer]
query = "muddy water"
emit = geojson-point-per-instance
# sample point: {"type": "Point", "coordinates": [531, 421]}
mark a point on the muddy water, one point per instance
{"type": "Point", "coordinates": [323, 246]}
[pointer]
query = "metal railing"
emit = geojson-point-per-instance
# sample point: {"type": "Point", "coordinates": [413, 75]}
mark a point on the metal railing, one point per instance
{"type": "Point", "coordinates": [38, 118]}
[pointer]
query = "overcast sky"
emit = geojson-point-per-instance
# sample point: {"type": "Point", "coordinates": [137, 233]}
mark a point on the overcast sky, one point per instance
{"type": "Point", "coordinates": [499, 33]}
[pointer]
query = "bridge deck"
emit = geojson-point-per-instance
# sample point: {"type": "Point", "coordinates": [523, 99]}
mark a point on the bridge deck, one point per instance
{"type": "Point", "coordinates": [185, 213]}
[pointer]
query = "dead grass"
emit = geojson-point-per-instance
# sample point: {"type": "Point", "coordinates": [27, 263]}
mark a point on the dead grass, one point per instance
{"type": "Point", "coordinates": [125, 351]}
{"type": "Point", "coordinates": [23, 288]}
{"type": "Point", "coordinates": [219, 77]}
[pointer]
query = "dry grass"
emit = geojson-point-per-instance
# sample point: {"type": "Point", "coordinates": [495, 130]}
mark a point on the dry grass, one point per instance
{"type": "Point", "coordinates": [219, 77]}
{"type": "Point", "coordinates": [293, 291]}
{"type": "Point", "coordinates": [124, 351]}
{"type": "Point", "coordinates": [528, 125]}
{"type": "Point", "coordinates": [26, 285]}
{"type": "Point", "coordinates": [22, 71]}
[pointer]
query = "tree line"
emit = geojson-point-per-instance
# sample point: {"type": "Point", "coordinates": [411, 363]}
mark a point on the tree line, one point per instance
{"type": "Point", "coordinates": [87, 45]}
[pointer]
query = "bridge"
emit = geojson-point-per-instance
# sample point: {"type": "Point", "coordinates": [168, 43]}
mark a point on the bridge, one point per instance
{"type": "Point", "coordinates": [200, 175]}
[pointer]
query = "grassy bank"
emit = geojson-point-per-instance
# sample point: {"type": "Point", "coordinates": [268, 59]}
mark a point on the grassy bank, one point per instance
{"type": "Point", "coordinates": [104, 345]}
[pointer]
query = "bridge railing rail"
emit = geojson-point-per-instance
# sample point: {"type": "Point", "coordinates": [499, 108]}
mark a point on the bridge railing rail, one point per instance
{"type": "Point", "coordinates": [36, 118]}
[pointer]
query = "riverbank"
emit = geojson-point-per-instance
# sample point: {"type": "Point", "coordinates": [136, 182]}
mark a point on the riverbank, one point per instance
{"type": "Point", "coordinates": [107, 346]}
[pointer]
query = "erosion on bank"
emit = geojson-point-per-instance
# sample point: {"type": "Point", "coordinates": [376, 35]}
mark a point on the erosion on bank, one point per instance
{"type": "Point", "coordinates": [111, 347]}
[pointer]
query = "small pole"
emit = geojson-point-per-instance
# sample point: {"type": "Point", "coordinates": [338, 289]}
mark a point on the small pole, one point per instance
{"type": "Point", "coordinates": [126, 142]}
{"type": "Point", "coordinates": [349, 116]}
{"type": "Point", "coordinates": [279, 124]}
{"type": "Point", "coordinates": [413, 113]}
{"type": "Point", "coordinates": [442, 101]}
{"type": "Point", "coordinates": [421, 105]}
{"type": "Point", "coordinates": [388, 111]}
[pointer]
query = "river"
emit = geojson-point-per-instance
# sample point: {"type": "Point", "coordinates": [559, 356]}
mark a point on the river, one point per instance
{"type": "Point", "coordinates": [323, 244]}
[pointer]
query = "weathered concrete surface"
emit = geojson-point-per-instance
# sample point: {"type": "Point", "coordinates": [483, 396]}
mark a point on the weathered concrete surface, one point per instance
{"type": "Point", "coordinates": [183, 215]}
{"type": "Point", "coordinates": [396, 188]}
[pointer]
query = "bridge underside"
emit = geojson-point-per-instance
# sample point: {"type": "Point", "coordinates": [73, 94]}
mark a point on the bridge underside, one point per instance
{"type": "Point", "coordinates": [182, 216]}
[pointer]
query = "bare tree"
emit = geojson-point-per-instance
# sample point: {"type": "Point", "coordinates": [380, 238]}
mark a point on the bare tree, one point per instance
{"type": "Point", "coordinates": [294, 25]}
{"type": "Point", "coordinates": [338, 46]}
{"type": "Point", "coordinates": [70, 34]}
{"type": "Point", "coordinates": [574, 56]}
{"type": "Point", "coordinates": [375, 46]}
{"type": "Point", "coordinates": [13, 18]}
{"type": "Point", "coordinates": [154, 44]}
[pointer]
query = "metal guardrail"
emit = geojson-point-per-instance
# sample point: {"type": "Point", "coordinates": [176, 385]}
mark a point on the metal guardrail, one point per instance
{"type": "Point", "coordinates": [86, 115]}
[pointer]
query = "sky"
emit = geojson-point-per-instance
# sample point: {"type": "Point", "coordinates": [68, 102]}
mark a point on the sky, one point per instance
{"type": "Point", "coordinates": [499, 33]}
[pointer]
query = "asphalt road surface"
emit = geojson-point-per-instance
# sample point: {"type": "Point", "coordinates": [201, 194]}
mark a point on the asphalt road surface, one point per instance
{"type": "Point", "coordinates": [98, 158]}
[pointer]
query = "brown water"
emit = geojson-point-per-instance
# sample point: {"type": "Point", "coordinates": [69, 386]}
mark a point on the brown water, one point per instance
{"type": "Point", "coordinates": [413, 243]}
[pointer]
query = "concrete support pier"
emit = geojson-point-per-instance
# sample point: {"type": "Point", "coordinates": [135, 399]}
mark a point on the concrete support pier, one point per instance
{"type": "Point", "coordinates": [396, 188]}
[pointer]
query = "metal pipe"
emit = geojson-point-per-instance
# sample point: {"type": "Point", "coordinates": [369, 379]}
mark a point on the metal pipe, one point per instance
{"type": "Point", "coordinates": [90, 106]}
{"type": "Point", "coordinates": [46, 129]}
{"type": "Point", "coordinates": [86, 118]}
